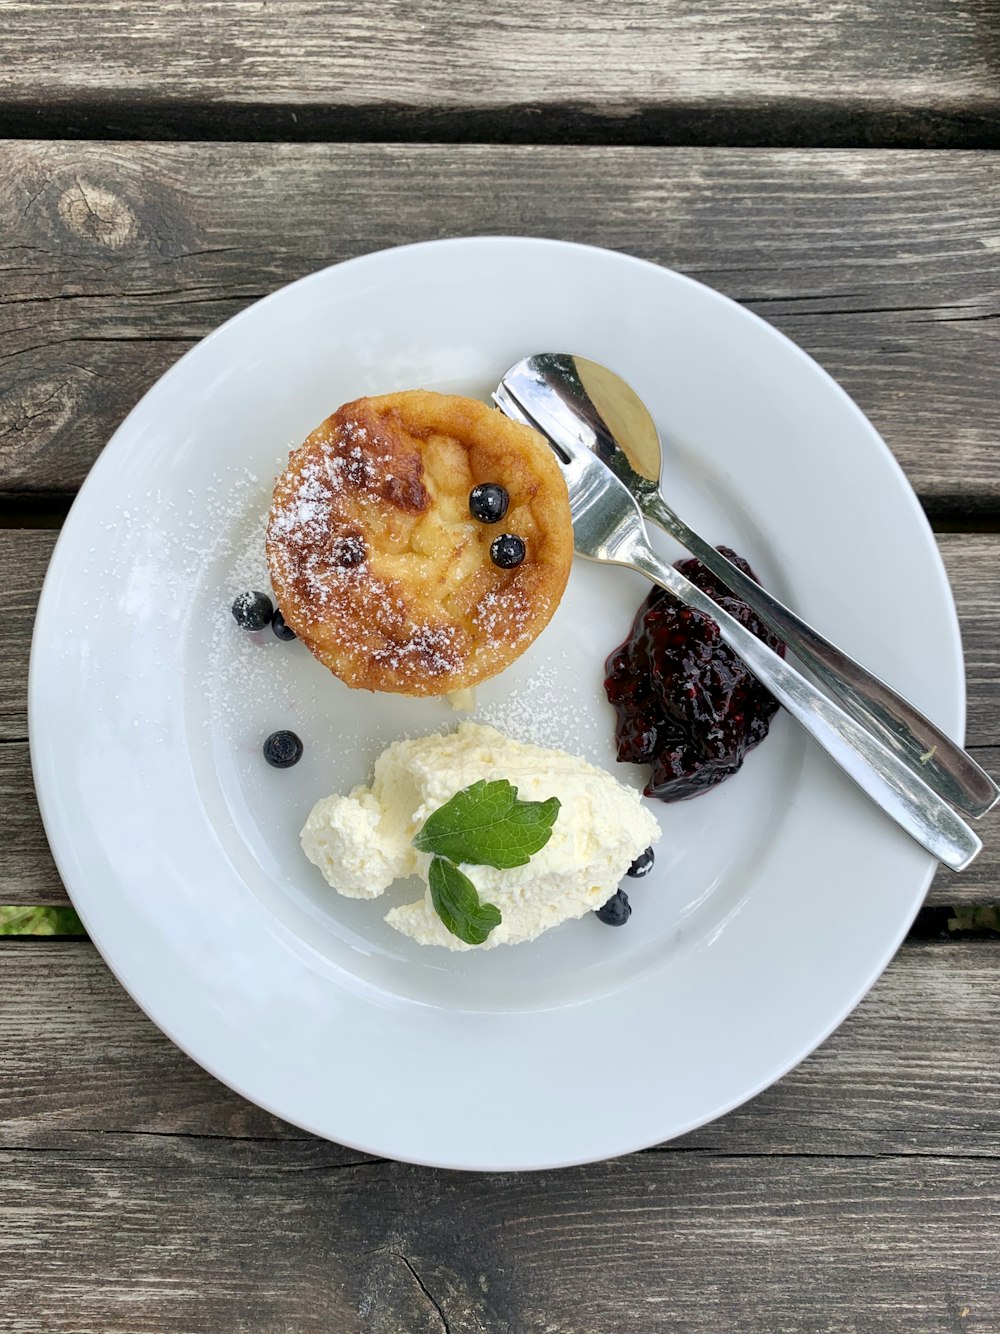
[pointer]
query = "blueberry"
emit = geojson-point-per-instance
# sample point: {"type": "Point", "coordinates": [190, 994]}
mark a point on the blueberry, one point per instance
{"type": "Point", "coordinates": [507, 551]}
{"type": "Point", "coordinates": [488, 502]}
{"type": "Point", "coordinates": [616, 911]}
{"type": "Point", "coordinates": [281, 627]}
{"type": "Point", "coordinates": [282, 750]}
{"type": "Point", "coordinates": [642, 865]}
{"type": "Point", "coordinates": [253, 611]}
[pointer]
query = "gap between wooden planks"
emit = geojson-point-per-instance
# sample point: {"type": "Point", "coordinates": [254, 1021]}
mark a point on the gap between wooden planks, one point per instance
{"type": "Point", "coordinates": [116, 258]}
{"type": "Point", "coordinates": [29, 876]}
{"type": "Point", "coordinates": [861, 71]}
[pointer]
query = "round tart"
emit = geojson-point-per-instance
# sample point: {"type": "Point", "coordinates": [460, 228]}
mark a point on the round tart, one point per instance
{"type": "Point", "coordinates": [378, 563]}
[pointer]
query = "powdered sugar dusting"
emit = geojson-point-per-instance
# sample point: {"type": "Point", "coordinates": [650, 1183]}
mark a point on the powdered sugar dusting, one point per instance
{"type": "Point", "coordinates": [308, 552]}
{"type": "Point", "coordinates": [430, 649]}
{"type": "Point", "coordinates": [543, 709]}
{"type": "Point", "coordinates": [243, 665]}
{"type": "Point", "coordinates": [509, 617]}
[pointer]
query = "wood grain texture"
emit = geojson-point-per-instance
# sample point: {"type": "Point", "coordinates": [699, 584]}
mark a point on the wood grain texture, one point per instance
{"type": "Point", "coordinates": [249, 1238]}
{"type": "Point", "coordinates": [857, 70]}
{"type": "Point", "coordinates": [115, 258]}
{"type": "Point", "coordinates": [973, 565]}
{"type": "Point", "coordinates": [24, 558]}
{"type": "Point", "coordinates": [28, 874]}
{"type": "Point", "coordinates": [862, 1192]}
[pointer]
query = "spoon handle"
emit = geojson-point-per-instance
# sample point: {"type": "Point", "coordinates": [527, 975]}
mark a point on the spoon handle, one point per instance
{"type": "Point", "coordinates": [886, 778]}
{"type": "Point", "coordinates": [940, 762]}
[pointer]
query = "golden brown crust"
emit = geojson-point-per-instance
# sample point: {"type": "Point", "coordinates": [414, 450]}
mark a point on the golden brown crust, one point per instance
{"type": "Point", "coordinates": [379, 567]}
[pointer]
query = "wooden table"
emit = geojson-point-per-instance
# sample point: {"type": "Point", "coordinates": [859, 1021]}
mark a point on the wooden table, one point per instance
{"type": "Point", "coordinates": [163, 164]}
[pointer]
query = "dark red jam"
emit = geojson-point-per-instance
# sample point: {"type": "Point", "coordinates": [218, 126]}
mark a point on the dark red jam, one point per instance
{"type": "Point", "coordinates": [685, 702]}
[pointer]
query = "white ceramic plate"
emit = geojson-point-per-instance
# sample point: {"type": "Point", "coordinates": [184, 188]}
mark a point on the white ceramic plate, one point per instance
{"type": "Point", "coordinates": [777, 899]}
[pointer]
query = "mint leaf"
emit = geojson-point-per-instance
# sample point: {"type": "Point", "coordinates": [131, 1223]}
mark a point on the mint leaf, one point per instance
{"type": "Point", "coordinates": [486, 825]}
{"type": "Point", "coordinates": [456, 902]}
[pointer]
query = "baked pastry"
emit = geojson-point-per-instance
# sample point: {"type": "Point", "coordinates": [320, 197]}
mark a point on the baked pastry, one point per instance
{"type": "Point", "coordinates": [419, 542]}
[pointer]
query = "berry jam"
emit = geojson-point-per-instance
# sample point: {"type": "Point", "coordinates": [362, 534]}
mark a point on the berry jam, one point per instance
{"type": "Point", "coordinates": [685, 702]}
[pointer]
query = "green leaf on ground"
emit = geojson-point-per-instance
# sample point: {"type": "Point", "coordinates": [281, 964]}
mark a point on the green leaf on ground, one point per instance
{"type": "Point", "coordinates": [16, 921]}
{"type": "Point", "coordinates": [976, 917]}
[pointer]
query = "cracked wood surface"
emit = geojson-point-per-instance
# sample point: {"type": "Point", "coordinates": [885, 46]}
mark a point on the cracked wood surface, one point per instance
{"type": "Point", "coordinates": [28, 875]}
{"type": "Point", "coordinates": [115, 258]}
{"type": "Point", "coordinates": [858, 70]}
{"type": "Point", "coordinates": [139, 1194]}
{"type": "Point", "coordinates": [657, 1242]}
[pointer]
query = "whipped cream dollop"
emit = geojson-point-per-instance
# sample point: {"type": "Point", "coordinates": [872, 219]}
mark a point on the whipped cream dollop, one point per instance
{"type": "Point", "coordinates": [363, 842]}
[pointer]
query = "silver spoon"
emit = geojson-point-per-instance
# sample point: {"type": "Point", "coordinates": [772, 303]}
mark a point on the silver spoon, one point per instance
{"type": "Point", "coordinates": [607, 526]}
{"type": "Point", "coordinates": [585, 402]}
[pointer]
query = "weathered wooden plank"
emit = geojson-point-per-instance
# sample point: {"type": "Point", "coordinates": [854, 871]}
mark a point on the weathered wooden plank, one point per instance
{"type": "Point", "coordinates": [28, 875]}
{"type": "Point", "coordinates": [114, 258]}
{"type": "Point", "coordinates": [138, 1194]}
{"type": "Point", "coordinates": [24, 558]}
{"type": "Point", "coordinates": [914, 1070]}
{"type": "Point", "coordinates": [27, 872]}
{"type": "Point", "coordinates": [973, 565]}
{"type": "Point", "coordinates": [859, 70]}
{"type": "Point", "coordinates": [980, 883]}
{"type": "Point", "coordinates": [664, 1243]}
